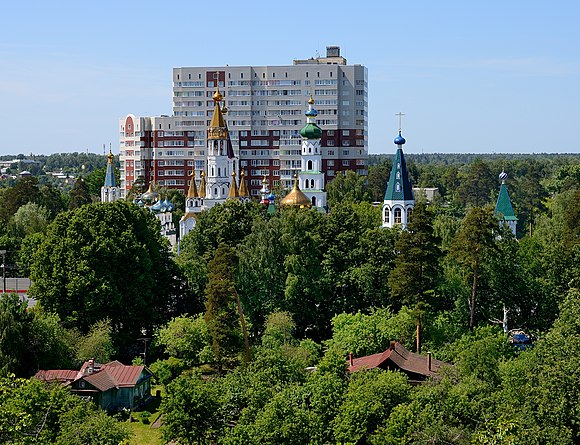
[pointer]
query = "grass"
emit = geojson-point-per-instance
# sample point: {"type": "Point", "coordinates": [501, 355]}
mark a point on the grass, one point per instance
{"type": "Point", "coordinates": [143, 434]}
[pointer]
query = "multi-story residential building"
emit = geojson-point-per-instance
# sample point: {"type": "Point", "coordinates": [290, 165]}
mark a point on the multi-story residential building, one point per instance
{"type": "Point", "coordinates": [264, 114]}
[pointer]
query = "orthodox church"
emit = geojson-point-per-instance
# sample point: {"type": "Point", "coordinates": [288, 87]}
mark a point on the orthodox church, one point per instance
{"type": "Point", "coordinates": [220, 182]}
{"type": "Point", "coordinates": [109, 191]}
{"type": "Point", "coordinates": [503, 207]}
{"type": "Point", "coordinates": [399, 199]}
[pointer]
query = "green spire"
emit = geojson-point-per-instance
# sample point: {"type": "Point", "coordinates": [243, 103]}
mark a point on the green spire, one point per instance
{"type": "Point", "coordinates": [503, 206]}
{"type": "Point", "coordinates": [399, 187]}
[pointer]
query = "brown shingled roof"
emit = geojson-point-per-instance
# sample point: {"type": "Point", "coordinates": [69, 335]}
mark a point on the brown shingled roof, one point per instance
{"type": "Point", "coordinates": [398, 357]}
{"type": "Point", "coordinates": [56, 375]}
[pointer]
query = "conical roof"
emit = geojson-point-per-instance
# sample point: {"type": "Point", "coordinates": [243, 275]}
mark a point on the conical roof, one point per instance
{"type": "Point", "coordinates": [110, 175]}
{"type": "Point", "coordinates": [296, 198]}
{"type": "Point", "coordinates": [399, 187]}
{"type": "Point", "coordinates": [233, 192]}
{"type": "Point", "coordinates": [243, 190]}
{"type": "Point", "coordinates": [202, 185]}
{"type": "Point", "coordinates": [217, 127]}
{"type": "Point", "coordinates": [192, 192]}
{"type": "Point", "coordinates": [503, 206]}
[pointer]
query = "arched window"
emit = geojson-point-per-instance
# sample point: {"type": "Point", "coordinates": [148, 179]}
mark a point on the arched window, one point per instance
{"type": "Point", "coordinates": [312, 183]}
{"type": "Point", "coordinates": [309, 164]}
{"type": "Point", "coordinates": [219, 171]}
{"type": "Point", "coordinates": [398, 175]}
{"type": "Point", "coordinates": [314, 201]}
{"type": "Point", "coordinates": [215, 191]}
{"type": "Point", "coordinates": [397, 215]}
{"type": "Point", "coordinates": [306, 184]}
{"type": "Point", "coordinates": [310, 149]}
{"type": "Point", "coordinates": [409, 212]}
{"type": "Point", "coordinates": [387, 215]}
{"type": "Point", "coordinates": [398, 187]}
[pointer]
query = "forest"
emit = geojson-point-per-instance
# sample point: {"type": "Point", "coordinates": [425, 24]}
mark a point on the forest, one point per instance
{"type": "Point", "coordinates": [253, 319]}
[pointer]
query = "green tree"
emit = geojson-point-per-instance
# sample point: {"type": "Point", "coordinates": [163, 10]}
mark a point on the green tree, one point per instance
{"type": "Point", "coordinates": [347, 187]}
{"type": "Point", "coordinates": [15, 325]}
{"type": "Point", "coordinates": [108, 261]}
{"type": "Point", "coordinates": [97, 343]}
{"type": "Point", "coordinates": [378, 179]}
{"type": "Point", "coordinates": [370, 398]}
{"type": "Point", "coordinates": [416, 273]}
{"type": "Point", "coordinates": [190, 409]}
{"type": "Point", "coordinates": [79, 195]}
{"type": "Point", "coordinates": [186, 338]}
{"type": "Point", "coordinates": [28, 219]}
{"type": "Point", "coordinates": [221, 316]}
{"type": "Point", "coordinates": [26, 190]}
{"type": "Point", "coordinates": [476, 184]}
{"type": "Point", "coordinates": [472, 245]}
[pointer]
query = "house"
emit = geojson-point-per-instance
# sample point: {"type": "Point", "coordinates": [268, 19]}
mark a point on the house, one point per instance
{"type": "Point", "coordinates": [110, 385]}
{"type": "Point", "coordinates": [397, 358]}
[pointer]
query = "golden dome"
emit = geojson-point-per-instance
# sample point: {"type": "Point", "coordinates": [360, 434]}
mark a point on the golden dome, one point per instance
{"type": "Point", "coordinates": [217, 96]}
{"type": "Point", "coordinates": [311, 101]}
{"type": "Point", "coordinates": [296, 198]}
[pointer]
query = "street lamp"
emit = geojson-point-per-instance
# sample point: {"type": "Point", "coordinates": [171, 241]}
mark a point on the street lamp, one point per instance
{"type": "Point", "coordinates": [144, 340]}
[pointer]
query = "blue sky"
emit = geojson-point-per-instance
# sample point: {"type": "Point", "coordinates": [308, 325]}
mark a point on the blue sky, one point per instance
{"type": "Point", "coordinates": [477, 77]}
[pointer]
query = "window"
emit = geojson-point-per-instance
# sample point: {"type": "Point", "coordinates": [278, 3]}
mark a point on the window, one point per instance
{"type": "Point", "coordinates": [330, 162]}
{"type": "Point", "coordinates": [397, 216]}
{"type": "Point", "coordinates": [346, 163]}
{"type": "Point", "coordinates": [409, 212]}
{"type": "Point", "coordinates": [345, 132]}
{"type": "Point", "coordinates": [387, 215]}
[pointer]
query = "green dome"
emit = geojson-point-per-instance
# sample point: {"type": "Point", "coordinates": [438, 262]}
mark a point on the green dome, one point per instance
{"type": "Point", "coordinates": [311, 131]}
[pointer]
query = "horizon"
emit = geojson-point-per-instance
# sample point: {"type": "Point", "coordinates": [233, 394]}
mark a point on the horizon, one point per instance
{"type": "Point", "coordinates": [470, 78]}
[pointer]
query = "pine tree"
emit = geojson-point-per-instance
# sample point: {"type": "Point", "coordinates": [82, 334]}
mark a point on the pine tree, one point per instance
{"type": "Point", "coordinates": [416, 271]}
{"type": "Point", "coordinates": [472, 245]}
{"type": "Point", "coordinates": [79, 194]}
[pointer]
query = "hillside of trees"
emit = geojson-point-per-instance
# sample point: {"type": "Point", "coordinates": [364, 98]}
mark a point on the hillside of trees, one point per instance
{"type": "Point", "coordinates": [253, 322]}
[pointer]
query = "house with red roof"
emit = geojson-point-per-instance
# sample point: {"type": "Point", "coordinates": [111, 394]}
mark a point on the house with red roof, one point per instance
{"type": "Point", "coordinates": [398, 358]}
{"type": "Point", "coordinates": [111, 385]}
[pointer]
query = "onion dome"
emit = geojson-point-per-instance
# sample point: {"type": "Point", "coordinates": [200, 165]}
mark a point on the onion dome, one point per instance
{"type": "Point", "coordinates": [168, 205]}
{"type": "Point", "coordinates": [271, 197]}
{"type": "Point", "coordinates": [202, 185]}
{"type": "Point", "coordinates": [503, 176]}
{"type": "Point", "coordinates": [296, 198]}
{"type": "Point", "coordinates": [158, 207]}
{"type": "Point", "coordinates": [243, 190]}
{"type": "Point", "coordinates": [233, 192]}
{"type": "Point", "coordinates": [150, 196]}
{"type": "Point", "coordinates": [311, 130]}
{"type": "Point", "coordinates": [140, 203]}
{"type": "Point", "coordinates": [400, 140]}
{"type": "Point", "coordinates": [192, 192]}
{"type": "Point", "coordinates": [217, 127]}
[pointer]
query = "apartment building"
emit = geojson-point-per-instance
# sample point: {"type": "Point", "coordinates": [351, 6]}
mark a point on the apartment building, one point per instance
{"type": "Point", "coordinates": [264, 112]}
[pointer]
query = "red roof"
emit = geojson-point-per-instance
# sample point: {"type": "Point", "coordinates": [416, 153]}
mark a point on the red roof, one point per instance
{"type": "Point", "coordinates": [103, 377]}
{"type": "Point", "coordinates": [56, 375]}
{"type": "Point", "coordinates": [398, 357]}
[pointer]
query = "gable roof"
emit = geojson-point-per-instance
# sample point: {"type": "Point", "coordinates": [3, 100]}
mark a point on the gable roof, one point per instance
{"type": "Point", "coordinates": [104, 377]}
{"type": "Point", "coordinates": [399, 187]}
{"type": "Point", "coordinates": [398, 357]}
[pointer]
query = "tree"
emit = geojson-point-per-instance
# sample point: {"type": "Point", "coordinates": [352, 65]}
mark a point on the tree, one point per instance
{"type": "Point", "coordinates": [97, 343]}
{"type": "Point", "coordinates": [370, 398]}
{"type": "Point", "coordinates": [472, 246]}
{"type": "Point", "coordinates": [378, 179]}
{"type": "Point", "coordinates": [476, 184]}
{"type": "Point", "coordinates": [190, 409]}
{"type": "Point", "coordinates": [25, 191]}
{"type": "Point", "coordinates": [28, 219]}
{"type": "Point", "coordinates": [221, 316]}
{"type": "Point", "coordinates": [416, 272]}
{"type": "Point", "coordinates": [347, 187]}
{"type": "Point", "coordinates": [15, 325]}
{"type": "Point", "coordinates": [186, 338]}
{"type": "Point", "coordinates": [79, 195]}
{"type": "Point", "coordinates": [108, 261]}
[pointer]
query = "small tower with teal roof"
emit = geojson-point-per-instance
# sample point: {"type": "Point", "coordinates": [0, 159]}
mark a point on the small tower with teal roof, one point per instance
{"type": "Point", "coordinates": [503, 208]}
{"type": "Point", "coordinates": [399, 199]}
{"type": "Point", "coordinates": [311, 178]}
{"type": "Point", "coordinates": [110, 191]}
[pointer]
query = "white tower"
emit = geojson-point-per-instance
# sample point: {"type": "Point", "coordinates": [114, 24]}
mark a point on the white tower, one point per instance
{"type": "Point", "coordinates": [219, 164]}
{"type": "Point", "coordinates": [399, 199]}
{"type": "Point", "coordinates": [311, 177]}
{"type": "Point", "coordinates": [109, 191]}
{"type": "Point", "coordinates": [193, 206]}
